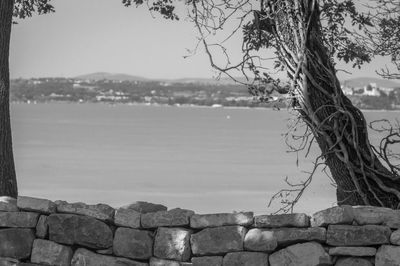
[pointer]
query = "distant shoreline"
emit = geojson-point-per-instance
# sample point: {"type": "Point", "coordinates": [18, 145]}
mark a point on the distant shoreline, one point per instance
{"type": "Point", "coordinates": [181, 106]}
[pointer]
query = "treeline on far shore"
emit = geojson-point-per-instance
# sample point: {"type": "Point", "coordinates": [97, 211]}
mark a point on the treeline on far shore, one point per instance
{"type": "Point", "coordinates": [155, 92]}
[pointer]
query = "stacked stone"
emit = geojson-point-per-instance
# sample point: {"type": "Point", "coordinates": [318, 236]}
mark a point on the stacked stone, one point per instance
{"type": "Point", "coordinates": [41, 232]}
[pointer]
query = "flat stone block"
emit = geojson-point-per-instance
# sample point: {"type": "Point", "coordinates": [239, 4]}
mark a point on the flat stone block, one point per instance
{"type": "Point", "coordinates": [107, 251]}
{"type": "Point", "coordinates": [42, 227]}
{"type": "Point", "coordinates": [127, 218]}
{"type": "Point", "coordinates": [289, 236]}
{"type": "Point", "coordinates": [353, 262]}
{"type": "Point", "coordinates": [9, 262]}
{"type": "Point", "coordinates": [260, 240]}
{"type": "Point", "coordinates": [73, 229]}
{"type": "Point", "coordinates": [353, 251]}
{"type": "Point", "coordinates": [218, 240]}
{"type": "Point", "coordinates": [14, 262]}
{"type": "Point", "coordinates": [16, 243]}
{"type": "Point", "coordinates": [8, 204]}
{"type": "Point", "coordinates": [18, 219]}
{"type": "Point", "coordinates": [305, 254]}
{"type": "Point", "coordinates": [174, 217]}
{"type": "Point", "coordinates": [246, 259]}
{"type": "Point", "coordinates": [335, 215]}
{"type": "Point", "coordinates": [282, 220]}
{"type": "Point", "coordinates": [207, 261]}
{"type": "Point", "coordinates": [221, 219]}
{"type": "Point", "coordinates": [162, 262]}
{"type": "Point", "coordinates": [101, 212]}
{"type": "Point", "coordinates": [29, 264]}
{"type": "Point", "coordinates": [84, 257]}
{"type": "Point", "coordinates": [133, 243]}
{"type": "Point", "coordinates": [51, 253]}
{"type": "Point", "coordinates": [172, 244]}
{"type": "Point", "coordinates": [351, 235]}
{"type": "Point", "coordinates": [145, 207]}
{"type": "Point", "coordinates": [36, 205]}
{"type": "Point", "coordinates": [395, 237]}
{"type": "Point", "coordinates": [388, 256]}
{"type": "Point", "coordinates": [377, 215]}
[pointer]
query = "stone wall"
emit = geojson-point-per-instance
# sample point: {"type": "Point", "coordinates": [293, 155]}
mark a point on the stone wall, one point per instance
{"type": "Point", "coordinates": [41, 232]}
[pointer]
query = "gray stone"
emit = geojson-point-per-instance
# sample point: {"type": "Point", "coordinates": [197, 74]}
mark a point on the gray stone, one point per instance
{"type": "Point", "coordinates": [260, 240]}
{"type": "Point", "coordinates": [388, 256]}
{"type": "Point", "coordinates": [162, 262]}
{"type": "Point", "coordinates": [351, 235]}
{"type": "Point", "coordinates": [221, 219]}
{"type": "Point", "coordinates": [51, 253]}
{"type": "Point", "coordinates": [335, 215]}
{"type": "Point", "coordinates": [8, 262]}
{"type": "Point", "coordinates": [73, 229]}
{"type": "Point", "coordinates": [84, 257]}
{"type": "Point", "coordinates": [18, 219]}
{"type": "Point", "coordinates": [282, 220]}
{"type": "Point", "coordinates": [42, 228]}
{"type": "Point", "coordinates": [145, 207]}
{"type": "Point", "coordinates": [245, 259]}
{"type": "Point", "coordinates": [305, 254]}
{"type": "Point", "coordinates": [218, 240]}
{"type": "Point", "coordinates": [174, 217]}
{"type": "Point", "coordinates": [8, 204]}
{"type": "Point", "coordinates": [377, 215]}
{"type": "Point", "coordinates": [36, 205]}
{"type": "Point", "coordinates": [133, 243]}
{"type": "Point", "coordinates": [289, 236]}
{"type": "Point", "coordinates": [127, 218]}
{"type": "Point", "coordinates": [395, 237]}
{"type": "Point", "coordinates": [107, 251]}
{"type": "Point", "coordinates": [14, 262]}
{"type": "Point", "coordinates": [207, 261]}
{"type": "Point", "coordinates": [353, 262]}
{"type": "Point", "coordinates": [172, 243]}
{"type": "Point", "coordinates": [102, 212]}
{"type": "Point", "coordinates": [353, 251]}
{"type": "Point", "coordinates": [16, 243]}
{"type": "Point", "coordinates": [29, 264]}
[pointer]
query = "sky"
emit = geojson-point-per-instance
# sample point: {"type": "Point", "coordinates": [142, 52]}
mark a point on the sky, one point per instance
{"type": "Point", "coordinates": [86, 36]}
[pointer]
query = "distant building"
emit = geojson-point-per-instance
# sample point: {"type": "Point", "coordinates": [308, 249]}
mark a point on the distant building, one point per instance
{"type": "Point", "coordinates": [110, 95]}
{"type": "Point", "coordinates": [347, 90]}
{"type": "Point", "coordinates": [371, 90]}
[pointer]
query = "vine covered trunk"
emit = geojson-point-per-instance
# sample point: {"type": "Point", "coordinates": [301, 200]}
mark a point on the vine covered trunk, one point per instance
{"type": "Point", "coordinates": [339, 127]}
{"type": "Point", "coordinates": [8, 183]}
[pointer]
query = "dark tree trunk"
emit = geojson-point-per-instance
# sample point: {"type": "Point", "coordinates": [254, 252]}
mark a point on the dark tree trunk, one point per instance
{"type": "Point", "coordinates": [339, 127]}
{"type": "Point", "coordinates": [8, 182]}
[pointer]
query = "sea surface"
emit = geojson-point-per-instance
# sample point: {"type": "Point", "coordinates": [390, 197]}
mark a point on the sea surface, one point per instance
{"type": "Point", "coordinates": [204, 159]}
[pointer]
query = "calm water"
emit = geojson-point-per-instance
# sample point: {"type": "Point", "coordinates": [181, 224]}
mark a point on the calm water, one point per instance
{"type": "Point", "coordinates": [205, 159]}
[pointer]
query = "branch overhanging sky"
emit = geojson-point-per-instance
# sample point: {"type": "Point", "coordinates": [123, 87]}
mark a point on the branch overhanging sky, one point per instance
{"type": "Point", "coordinates": [85, 36]}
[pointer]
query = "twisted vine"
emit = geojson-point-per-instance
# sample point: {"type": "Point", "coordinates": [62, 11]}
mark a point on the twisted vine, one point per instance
{"type": "Point", "coordinates": [304, 49]}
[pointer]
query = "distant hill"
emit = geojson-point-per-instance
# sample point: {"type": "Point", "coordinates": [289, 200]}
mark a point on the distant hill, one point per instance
{"type": "Point", "coordinates": [111, 76]}
{"type": "Point", "coordinates": [361, 82]}
{"type": "Point", "coordinates": [355, 82]}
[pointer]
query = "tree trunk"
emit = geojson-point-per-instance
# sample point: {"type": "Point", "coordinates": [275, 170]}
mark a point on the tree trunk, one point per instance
{"type": "Point", "coordinates": [8, 182]}
{"type": "Point", "coordinates": [339, 127]}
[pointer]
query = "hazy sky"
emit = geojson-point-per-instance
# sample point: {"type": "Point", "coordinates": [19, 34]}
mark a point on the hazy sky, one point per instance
{"type": "Point", "coordinates": [85, 36]}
